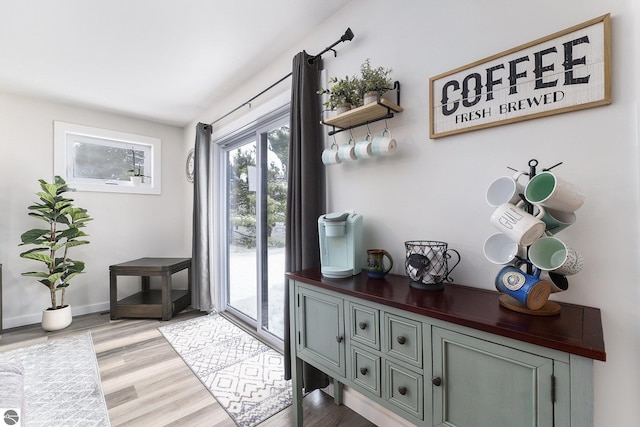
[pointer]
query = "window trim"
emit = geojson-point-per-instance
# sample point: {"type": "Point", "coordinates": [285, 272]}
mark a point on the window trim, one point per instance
{"type": "Point", "coordinates": [63, 136]}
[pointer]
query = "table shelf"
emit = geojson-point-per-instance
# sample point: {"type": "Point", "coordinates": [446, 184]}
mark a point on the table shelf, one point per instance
{"type": "Point", "coordinates": [149, 303]}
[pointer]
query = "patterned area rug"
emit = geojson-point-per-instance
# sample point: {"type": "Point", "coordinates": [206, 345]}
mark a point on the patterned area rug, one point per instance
{"type": "Point", "coordinates": [61, 383]}
{"type": "Point", "coordinates": [244, 375]}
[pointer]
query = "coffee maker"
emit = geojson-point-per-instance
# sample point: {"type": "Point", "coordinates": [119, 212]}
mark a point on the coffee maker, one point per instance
{"type": "Point", "coordinates": [340, 244]}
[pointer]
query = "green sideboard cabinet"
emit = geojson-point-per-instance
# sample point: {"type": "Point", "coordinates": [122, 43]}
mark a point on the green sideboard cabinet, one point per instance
{"type": "Point", "coordinates": [447, 358]}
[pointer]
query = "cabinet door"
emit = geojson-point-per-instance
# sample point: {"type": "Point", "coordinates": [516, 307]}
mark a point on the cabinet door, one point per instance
{"type": "Point", "coordinates": [479, 383]}
{"type": "Point", "coordinates": [321, 330]}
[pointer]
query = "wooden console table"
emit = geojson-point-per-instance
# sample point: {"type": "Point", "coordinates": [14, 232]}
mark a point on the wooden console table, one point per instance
{"type": "Point", "coordinates": [453, 357]}
{"type": "Point", "coordinates": [162, 303]}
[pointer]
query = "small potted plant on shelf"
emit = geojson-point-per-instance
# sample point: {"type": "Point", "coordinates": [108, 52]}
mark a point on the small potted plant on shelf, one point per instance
{"type": "Point", "coordinates": [374, 81]}
{"type": "Point", "coordinates": [63, 232]}
{"type": "Point", "coordinates": [343, 94]}
{"type": "Point", "coordinates": [136, 171]}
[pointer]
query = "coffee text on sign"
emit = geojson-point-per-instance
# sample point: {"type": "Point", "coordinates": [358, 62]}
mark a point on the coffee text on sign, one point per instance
{"type": "Point", "coordinates": [473, 83]}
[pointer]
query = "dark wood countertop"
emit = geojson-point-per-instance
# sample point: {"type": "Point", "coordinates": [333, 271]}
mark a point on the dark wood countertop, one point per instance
{"type": "Point", "coordinates": [577, 329]}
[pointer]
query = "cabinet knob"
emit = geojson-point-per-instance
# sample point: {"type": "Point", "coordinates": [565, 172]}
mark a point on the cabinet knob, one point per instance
{"type": "Point", "coordinates": [402, 390]}
{"type": "Point", "coordinates": [401, 340]}
{"type": "Point", "coordinates": [362, 325]}
{"type": "Point", "coordinates": [436, 381]}
{"type": "Point", "coordinates": [363, 371]}
{"type": "Point", "coordinates": [339, 338]}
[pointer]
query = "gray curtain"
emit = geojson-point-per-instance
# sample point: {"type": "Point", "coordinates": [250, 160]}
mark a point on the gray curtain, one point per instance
{"type": "Point", "coordinates": [202, 294]}
{"type": "Point", "coordinates": [306, 189]}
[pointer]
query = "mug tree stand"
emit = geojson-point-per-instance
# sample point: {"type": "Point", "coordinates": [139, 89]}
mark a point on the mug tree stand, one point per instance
{"type": "Point", "coordinates": [550, 308]}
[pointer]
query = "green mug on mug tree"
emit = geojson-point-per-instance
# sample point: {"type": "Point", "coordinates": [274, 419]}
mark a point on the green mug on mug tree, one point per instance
{"type": "Point", "coordinates": [548, 190]}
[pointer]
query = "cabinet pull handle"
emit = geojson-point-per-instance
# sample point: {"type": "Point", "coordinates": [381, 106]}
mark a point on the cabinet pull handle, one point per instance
{"type": "Point", "coordinates": [363, 371]}
{"type": "Point", "coordinates": [362, 325]}
{"type": "Point", "coordinates": [401, 340]}
{"type": "Point", "coordinates": [339, 338]}
{"type": "Point", "coordinates": [402, 390]}
{"type": "Point", "coordinates": [436, 381]}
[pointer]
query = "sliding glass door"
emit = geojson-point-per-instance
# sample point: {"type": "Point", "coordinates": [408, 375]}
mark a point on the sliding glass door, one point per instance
{"type": "Point", "coordinates": [256, 195]}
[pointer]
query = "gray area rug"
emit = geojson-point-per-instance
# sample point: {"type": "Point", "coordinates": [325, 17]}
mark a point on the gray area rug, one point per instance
{"type": "Point", "coordinates": [244, 375]}
{"type": "Point", "coordinates": [61, 383]}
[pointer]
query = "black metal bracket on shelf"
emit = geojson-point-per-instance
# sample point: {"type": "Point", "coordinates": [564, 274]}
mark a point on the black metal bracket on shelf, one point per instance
{"type": "Point", "coordinates": [389, 115]}
{"type": "Point", "coordinates": [396, 87]}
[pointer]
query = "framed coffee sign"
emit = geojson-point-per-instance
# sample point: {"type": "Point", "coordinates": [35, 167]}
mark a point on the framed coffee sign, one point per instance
{"type": "Point", "coordinates": [566, 71]}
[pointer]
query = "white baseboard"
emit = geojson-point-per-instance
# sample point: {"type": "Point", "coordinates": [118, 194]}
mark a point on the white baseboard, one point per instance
{"type": "Point", "coordinates": [377, 414]}
{"type": "Point", "coordinates": [14, 322]}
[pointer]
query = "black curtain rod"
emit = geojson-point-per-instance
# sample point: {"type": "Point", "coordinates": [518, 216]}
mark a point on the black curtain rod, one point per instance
{"type": "Point", "coordinates": [347, 36]}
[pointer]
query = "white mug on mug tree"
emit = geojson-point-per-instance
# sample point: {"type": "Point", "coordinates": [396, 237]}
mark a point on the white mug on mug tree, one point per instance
{"type": "Point", "coordinates": [505, 189]}
{"type": "Point", "coordinates": [520, 226]}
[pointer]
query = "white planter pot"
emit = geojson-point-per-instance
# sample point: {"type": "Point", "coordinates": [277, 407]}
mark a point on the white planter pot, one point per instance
{"type": "Point", "coordinates": [54, 320]}
{"type": "Point", "coordinates": [370, 97]}
{"type": "Point", "coordinates": [343, 108]}
{"type": "Point", "coordinates": [136, 180]}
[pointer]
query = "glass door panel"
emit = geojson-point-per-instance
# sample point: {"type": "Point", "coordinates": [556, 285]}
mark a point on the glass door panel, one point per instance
{"type": "Point", "coordinates": [242, 293]}
{"type": "Point", "coordinates": [276, 148]}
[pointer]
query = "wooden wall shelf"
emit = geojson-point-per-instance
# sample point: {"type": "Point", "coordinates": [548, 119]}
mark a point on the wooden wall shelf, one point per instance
{"type": "Point", "coordinates": [368, 113]}
{"type": "Point", "coordinates": [361, 115]}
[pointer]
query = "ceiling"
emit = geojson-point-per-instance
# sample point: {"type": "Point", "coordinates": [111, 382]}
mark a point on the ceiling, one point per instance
{"type": "Point", "coordinates": [163, 60]}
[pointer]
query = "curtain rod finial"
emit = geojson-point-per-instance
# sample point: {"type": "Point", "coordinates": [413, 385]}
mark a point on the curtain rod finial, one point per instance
{"type": "Point", "coordinates": [348, 35]}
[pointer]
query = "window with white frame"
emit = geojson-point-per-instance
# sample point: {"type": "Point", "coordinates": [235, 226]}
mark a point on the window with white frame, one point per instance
{"type": "Point", "coordinates": [93, 159]}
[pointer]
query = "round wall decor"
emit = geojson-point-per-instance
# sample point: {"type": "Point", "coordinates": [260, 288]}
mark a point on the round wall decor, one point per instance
{"type": "Point", "coordinates": [190, 166]}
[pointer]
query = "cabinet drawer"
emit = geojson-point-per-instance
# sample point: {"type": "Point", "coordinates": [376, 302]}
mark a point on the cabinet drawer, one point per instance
{"type": "Point", "coordinates": [365, 370]}
{"type": "Point", "coordinates": [403, 339]}
{"type": "Point", "coordinates": [364, 325]}
{"type": "Point", "coordinates": [404, 389]}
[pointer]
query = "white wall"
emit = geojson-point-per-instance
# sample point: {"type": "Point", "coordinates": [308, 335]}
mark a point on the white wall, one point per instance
{"type": "Point", "coordinates": [126, 226]}
{"type": "Point", "coordinates": [434, 189]}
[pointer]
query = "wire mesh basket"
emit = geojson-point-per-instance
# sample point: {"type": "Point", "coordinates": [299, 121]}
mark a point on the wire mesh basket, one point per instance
{"type": "Point", "coordinates": [427, 265]}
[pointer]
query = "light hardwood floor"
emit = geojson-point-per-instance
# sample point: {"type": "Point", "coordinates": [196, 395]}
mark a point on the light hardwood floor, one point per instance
{"type": "Point", "coordinates": [147, 384]}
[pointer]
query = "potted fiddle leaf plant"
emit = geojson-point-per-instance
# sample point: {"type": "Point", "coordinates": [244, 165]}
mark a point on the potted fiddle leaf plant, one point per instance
{"type": "Point", "coordinates": [343, 93]}
{"type": "Point", "coordinates": [374, 81]}
{"type": "Point", "coordinates": [63, 231]}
